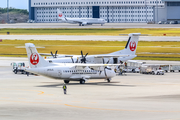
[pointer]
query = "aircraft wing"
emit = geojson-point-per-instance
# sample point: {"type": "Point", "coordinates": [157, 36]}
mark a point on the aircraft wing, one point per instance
{"type": "Point", "coordinates": [47, 54]}
{"type": "Point", "coordinates": [95, 66]}
{"type": "Point", "coordinates": [109, 56]}
{"type": "Point", "coordinates": [60, 55]}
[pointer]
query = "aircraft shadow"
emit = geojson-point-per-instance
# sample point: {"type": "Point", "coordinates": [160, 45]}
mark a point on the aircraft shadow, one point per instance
{"type": "Point", "coordinates": [87, 84]}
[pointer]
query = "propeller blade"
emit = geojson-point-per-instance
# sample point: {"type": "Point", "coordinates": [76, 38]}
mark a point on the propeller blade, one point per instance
{"type": "Point", "coordinates": [56, 53]}
{"type": "Point", "coordinates": [108, 68]}
{"type": "Point", "coordinates": [108, 62]}
{"type": "Point", "coordinates": [103, 61]}
{"type": "Point", "coordinates": [86, 54]}
{"type": "Point", "coordinates": [52, 54]}
{"type": "Point", "coordinates": [72, 60]}
{"type": "Point", "coordinates": [82, 53]}
{"type": "Point", "coordinates": [105, 72]}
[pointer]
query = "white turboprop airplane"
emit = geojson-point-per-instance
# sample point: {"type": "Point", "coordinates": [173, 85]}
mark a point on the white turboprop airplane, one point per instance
{"type": "Point", "coordinates": [67, 71]}
{"type": "Point", "coordinates": [112, 58]}
{"type": "Point", "coordinates": [80, 21]}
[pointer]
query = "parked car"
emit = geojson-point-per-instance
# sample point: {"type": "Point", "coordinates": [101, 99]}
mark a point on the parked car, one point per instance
{"type": "Point", "coordinates": [158, 72]}
{"type": "Point", "coordinates": [171, 22]}
{"type": "Point", "coordinates": [31, 21]}
{"type": "Point", "coordinates": [160, 22]}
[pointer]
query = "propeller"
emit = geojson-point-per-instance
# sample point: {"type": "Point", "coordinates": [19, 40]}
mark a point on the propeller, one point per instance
{"type": "Point", "coordinates": [54, 55]}
{"type": "Point", "coordinates": [83, 59]}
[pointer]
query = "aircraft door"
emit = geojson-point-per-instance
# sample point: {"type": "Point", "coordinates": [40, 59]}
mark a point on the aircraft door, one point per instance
{"type": "Point", "coordinates": [59, 73]}
{"type": "Point", "coordinates": [115, 60]}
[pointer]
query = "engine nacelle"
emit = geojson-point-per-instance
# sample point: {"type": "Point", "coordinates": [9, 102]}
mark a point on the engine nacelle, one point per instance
{"type": "Point", "coordinates": [84, 23]}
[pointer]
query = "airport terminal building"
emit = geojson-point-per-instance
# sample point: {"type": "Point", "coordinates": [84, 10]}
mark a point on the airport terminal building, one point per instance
{"type": "Point", "coordinates": [113, 11]}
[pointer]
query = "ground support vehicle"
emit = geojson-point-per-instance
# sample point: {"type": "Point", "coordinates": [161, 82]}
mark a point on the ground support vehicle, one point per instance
{"type": "Point", "coordinates": [151, 69]}
{"type": "Point", "coordinates": [18, 67]}
{"type": "Point", "coordinates": [174, 68]}
{"type": "Point", "coordinates": [133, 66]}
{"type": "Point", "coordinates": [166, 68]}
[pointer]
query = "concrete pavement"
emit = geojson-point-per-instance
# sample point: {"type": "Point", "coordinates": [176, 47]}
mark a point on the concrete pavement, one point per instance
{"type": "Point", "coordinates": [85, 38]}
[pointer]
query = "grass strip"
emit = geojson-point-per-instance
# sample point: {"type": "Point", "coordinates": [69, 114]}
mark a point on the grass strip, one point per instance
{"type": "Point", "coordinates": [16, 48]}
{"type": "Point", "coordinates": [91, 31]}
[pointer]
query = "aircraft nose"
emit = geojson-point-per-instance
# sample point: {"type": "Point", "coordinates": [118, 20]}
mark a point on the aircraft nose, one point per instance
{"type": "Point", "coordinates": [114, 73]}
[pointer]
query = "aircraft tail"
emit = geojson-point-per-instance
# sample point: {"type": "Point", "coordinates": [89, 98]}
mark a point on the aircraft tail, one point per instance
{"type": "Point", "coordinates": [131, 45]}
{"type": "Point", "coordinates": [35, 60]}
{"type": "Point", "coordinates": [60, 15]}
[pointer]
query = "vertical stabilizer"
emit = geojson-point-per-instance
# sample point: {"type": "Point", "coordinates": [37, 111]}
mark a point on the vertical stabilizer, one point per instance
{"type": "Point", "coordinates": [61, 15]}
{"type": "Point", "coordinates": [35, 60]}
{"type": "Point", "coordinates": [131, 45]}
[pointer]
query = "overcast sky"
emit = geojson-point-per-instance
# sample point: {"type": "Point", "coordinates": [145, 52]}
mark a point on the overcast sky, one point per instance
{"type": "Point", "coordinates": [20, 4]}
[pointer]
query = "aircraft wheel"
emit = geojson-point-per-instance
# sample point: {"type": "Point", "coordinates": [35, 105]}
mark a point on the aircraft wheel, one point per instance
{"type": "Point", "coordinates": [27, 73]}
{"type": "Point", "coordinates": [66, 81]}
{"type": "Point", "coordinates": [15, 71]}
{"type": "Point", "coordinates": [108, 81]}
{"type": "Point", "coordinates": [82, 81]}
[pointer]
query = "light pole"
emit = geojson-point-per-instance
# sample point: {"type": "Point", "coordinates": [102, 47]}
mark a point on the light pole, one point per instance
{"type": "Point", "coordinates": [7, 11]}
{"type": "Point", "coordinates": [157, 9]}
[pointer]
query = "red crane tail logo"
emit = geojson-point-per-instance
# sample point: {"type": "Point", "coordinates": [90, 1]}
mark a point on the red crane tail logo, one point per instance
{"type": "Point", "coordinates": [132, 46]}
{"type": "Point", "coordinates": [60, 15]}
{"type": "Point", "coordinates": [34, 59]}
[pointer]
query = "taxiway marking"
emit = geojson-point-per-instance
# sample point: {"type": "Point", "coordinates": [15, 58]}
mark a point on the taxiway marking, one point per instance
{"type": "Point", "coordinates": [81, 107]}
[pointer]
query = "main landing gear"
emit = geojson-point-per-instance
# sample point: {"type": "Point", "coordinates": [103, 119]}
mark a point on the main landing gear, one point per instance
{"type": "Point", "coordinates": [108, 80]}
{"type": "Point", "coordinates": [66, 81]}
{"type": "Point", "coordinates": [82, 81]}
